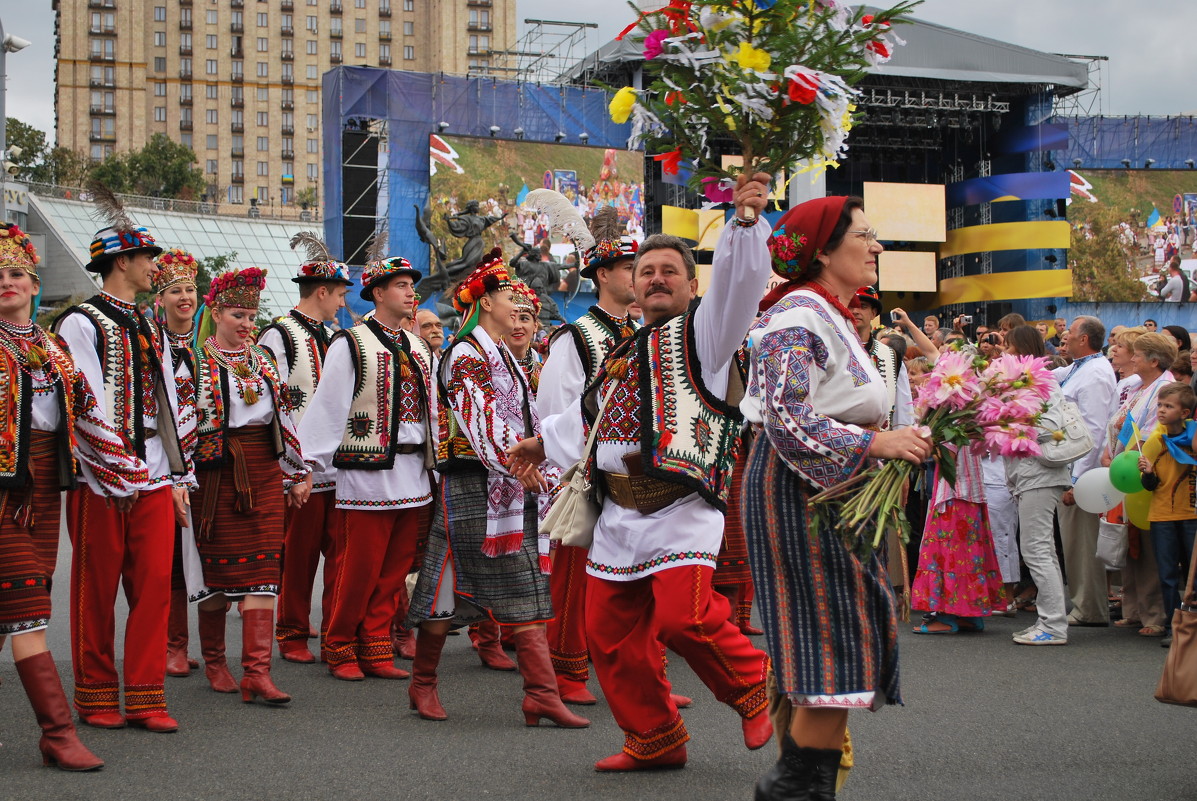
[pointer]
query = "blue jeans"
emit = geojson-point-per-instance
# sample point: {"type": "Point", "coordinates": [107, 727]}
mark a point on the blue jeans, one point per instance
{"type": "Point", "coordinates": [1173, 541]}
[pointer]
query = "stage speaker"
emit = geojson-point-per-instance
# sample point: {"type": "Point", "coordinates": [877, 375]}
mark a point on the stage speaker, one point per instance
{"type": "Point", "coordinates": [359, 186]}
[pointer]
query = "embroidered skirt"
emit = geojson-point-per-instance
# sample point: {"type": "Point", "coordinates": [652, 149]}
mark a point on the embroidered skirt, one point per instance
{"type": "Point", "coordinates": [29, 520]}
{"type": "Point", "coordinates": [510, 589]}
{"type": "Point", "coordinates": [731, 568]}
{"type": "Point", "coordinates": [240, 533]}
{"type": "Point", "coordinates": [958, 571]}
{"type": "Point", "coordinates": [831, 620]}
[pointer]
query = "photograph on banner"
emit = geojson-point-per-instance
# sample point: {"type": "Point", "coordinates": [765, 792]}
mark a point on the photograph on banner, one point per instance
{"type": "Point", "coordinates": [1133, 235]}
{"type": "Point", "coordinates": [497, 174]}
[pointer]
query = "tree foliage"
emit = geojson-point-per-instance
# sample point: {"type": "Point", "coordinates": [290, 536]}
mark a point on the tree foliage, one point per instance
{"type": "Point", "coordinates": [1103, 264]}
{"type": "Point", "coordinates": [163, 168]}
{"type": "Point", "coordinates": [32, 161]}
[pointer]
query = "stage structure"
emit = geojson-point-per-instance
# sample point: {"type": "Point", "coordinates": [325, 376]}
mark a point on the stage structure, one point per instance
{"type": "Point", "coordinates": [388, 115]}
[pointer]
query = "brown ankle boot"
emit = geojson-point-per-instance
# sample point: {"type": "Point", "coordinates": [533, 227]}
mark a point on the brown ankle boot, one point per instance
{"type": "Point", "coordinates": [541, 698]}
{"type": "Point", "coordinates": [257, 641]}
{"type": "Point", "coordinates": [177, 663]}
{"type": "Point", "coordinates": [489, 649]}
{"type": "Point", "coordinates": [211, 634]}
{"type": "Point", "coordinates": [60, 742]}
{"type": "Point", "coordinates": [422, 690]}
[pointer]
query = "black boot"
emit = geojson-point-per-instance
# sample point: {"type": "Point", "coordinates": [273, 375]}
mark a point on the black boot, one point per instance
{"type": "Point", "coordinates": [802, 774]}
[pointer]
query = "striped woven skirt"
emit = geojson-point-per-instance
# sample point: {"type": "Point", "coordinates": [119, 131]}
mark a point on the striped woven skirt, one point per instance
{"type": "Point", "coordinates": [29, 519]}
{"type": "Point", "coordinates": [731, 568]}
{"type": "Point", "coordinates": [509, 589]}
{"type": "Point", "coordinates": [831, 621]}
{"type": "Point", "coordinates": [240, 531]}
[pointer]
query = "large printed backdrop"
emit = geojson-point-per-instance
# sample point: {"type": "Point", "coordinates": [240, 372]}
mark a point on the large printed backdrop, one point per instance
{"type": "Point", "coordinates": [498, 173]}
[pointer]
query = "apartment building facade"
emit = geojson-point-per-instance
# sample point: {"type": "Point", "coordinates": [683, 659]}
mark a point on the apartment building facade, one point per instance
{"type": "Point", "coordinates": [239, 81]}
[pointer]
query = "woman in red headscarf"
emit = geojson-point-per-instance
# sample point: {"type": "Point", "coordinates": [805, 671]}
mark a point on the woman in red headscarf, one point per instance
{"type": "Point", "coordinates": [818, 403]}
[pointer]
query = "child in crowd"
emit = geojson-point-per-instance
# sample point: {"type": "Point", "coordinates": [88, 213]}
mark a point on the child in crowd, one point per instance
{"type": "Point", "coordinates": [1170, 472]}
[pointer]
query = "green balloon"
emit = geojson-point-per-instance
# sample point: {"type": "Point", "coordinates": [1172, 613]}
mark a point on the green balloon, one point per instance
{"type": "Point", "coordinates": [1124, 472]}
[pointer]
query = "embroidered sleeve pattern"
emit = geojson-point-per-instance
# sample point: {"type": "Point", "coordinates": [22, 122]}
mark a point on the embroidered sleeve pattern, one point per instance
{"type": "Point", "coordinates": [481, 411]}
{"type": "Point", "coordinates": [291, 462]}
{"type": "Point", "coordinates": [99, 445]}
{"type": "Point", "coordinates": [818, 448]}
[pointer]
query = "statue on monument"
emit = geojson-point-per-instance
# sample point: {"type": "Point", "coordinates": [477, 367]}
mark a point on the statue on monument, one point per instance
{"type": "Point", "coordinates": [468, 225]}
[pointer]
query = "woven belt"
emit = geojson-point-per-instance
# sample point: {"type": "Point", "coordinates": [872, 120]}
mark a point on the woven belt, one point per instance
{"type": "Point", "coordinates": [642, 493]}
{"type": "Point", "coordinates": [409, 448]}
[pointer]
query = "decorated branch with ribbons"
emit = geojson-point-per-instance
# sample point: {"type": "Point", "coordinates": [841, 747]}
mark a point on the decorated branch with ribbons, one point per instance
{"type": "Point", "coordinates": [776, 76]}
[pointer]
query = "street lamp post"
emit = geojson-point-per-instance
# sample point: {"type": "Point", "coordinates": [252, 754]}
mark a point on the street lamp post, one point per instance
{"type": "Point", "coordinates": [8, 44]}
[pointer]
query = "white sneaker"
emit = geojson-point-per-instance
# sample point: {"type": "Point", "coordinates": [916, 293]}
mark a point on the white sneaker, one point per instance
{"type": "Point", "coordinates": [1037, 636]}
{"type": "Point", "coordinates": [1027, 631]}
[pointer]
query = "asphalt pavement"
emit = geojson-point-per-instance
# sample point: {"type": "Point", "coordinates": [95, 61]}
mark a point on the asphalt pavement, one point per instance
{"type": "Point", "coordinates": [983, 719]}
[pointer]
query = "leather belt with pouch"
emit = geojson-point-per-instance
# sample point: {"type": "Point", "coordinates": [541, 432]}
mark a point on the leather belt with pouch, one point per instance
{"type": "Point", "coordinates": [634, 490]}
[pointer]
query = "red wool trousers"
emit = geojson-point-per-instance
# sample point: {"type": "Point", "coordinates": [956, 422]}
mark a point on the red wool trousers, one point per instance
{"type": "Point", "coordinates": [132, 550]}
{"type": "Point", "coordinates": [625, 620]}
{"type": "Point", "coordinates": [375, 550]}
{"type": "Point", "coordinates": [309, 535]}
{"type": "Point", "coordinates": [567, 631]}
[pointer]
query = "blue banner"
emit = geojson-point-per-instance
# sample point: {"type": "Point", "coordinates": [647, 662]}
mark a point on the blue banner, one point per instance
{"type": "Point", "coordinates": [1015, 186]}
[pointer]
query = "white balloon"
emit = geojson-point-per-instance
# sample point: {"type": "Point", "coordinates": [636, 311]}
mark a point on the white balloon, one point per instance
{"type": "Point", "coordinates": [1094, 492]}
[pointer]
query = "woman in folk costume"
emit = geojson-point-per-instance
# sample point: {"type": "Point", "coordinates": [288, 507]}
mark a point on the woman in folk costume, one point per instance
{"type": "Point", "coordinates": [245, 448]}
{"type": "Point", "coordinates": [177, 294]}
{"type": "Point", "coordinates": [48, 419]}
{"type": "Point", "coordinates": [484, 553]}
{"type": "Point", "coordinates": [818, 402]}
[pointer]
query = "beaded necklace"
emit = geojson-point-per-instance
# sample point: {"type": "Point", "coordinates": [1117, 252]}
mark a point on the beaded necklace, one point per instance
{"type": "Point", "coordinates": [243, 365]}
{"type": "Point", "coordinates": [835, 302]}
{"type": "Point", "coordinates": [31, 352]}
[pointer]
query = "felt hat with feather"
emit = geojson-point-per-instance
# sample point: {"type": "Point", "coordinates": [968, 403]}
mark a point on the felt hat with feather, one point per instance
{"type": "Point", "coordinates": [120, 235]}
{"type": "Point", "coordinates": [379, 267]}
{"type": "Point", "coordinates": [610, 243]}
{"type": "Point", "coordinates": [319, 265]}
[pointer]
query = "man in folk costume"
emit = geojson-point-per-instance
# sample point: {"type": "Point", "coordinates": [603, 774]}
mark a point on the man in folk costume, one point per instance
{"type": "Point", "coordinates": [177, 294]}
{"type": "Point", "coordinates": [298, 343]}
{"type": "Point", "coordinates": [576, 353]}
{"type": "Point", "coordinates": [371, 418]}
{"type": "Point", "coordinates": [665, 469]}
{"type": "Point", "coordinates": [127, 361]}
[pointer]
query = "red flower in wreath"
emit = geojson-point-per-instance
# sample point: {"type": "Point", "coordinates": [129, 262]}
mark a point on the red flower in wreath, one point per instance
{"type": "Point", "coordinates": [670, 162]}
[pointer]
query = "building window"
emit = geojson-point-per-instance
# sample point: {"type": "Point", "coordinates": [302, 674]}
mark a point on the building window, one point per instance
{"type": "Point", "coordinates": [236, 193]}
{"type": "Point", "coordinates": [210, 166]}
{"type": "Point", "coordinates": [103, 48]}
{"type": "Point", "coordinates": [263, 119]}
{"type": "Point", "coordinates": [212, 115]}
{"type": "Point", "coordinates": [335, 50]}
{"type": "Point", "coordinates": [359, 3]}
{"type": "Point", "coordinates": [263, 69]}
{"type": "Point", "coordinates": [263, 20]}
{"type": "Point", "coordinates": [313, 72]}
{"type": "Point", "coordinates": [384, 52]}
{"type": "Point", "coordinates": [313, 145]}
{"type": "Point", "coordinates": [313, 96]}
{"type": "Point", "coordinates": [263, 44]}
{"type": "Point", "coordinates": [159, 113]}
{"type": "Point", "coordinates": [211, 18]}
{"type": "Point", "coordinates": [159, 64]}
{"type": "Point", "coordinates": [185, 66]}
{"type": "Point", "coordinates": [263, 168]}
{"type": "Point", "coordinates": [210, 41]}
{"type": "Point", "coordinates": [238, 117]}
{"type": "Point", "coordinates": [409, 29]}
{"type": "Point", "coordinates": [159, 13]}
{"type": "Point", "coordinates": [238, 144]}
{"type": "Point", "coordinates": [212, 91]}
{"type": "Point", "coordinates": [313, 47]}
{"type": "Point", "coordinates": [359, 50]}
{"type": "Point", "coordinates": [185, 92]}
{"type": "Point", "coordinates": [185, 140]}
{"type": "Point", "coordinates": [263, 144]}
{"type": "Point", "coordinates": [211, 141]}
{"type": "Point", "coordinates": [238, 66]}
{"type": "Point", "coordinates": [384, 28]}
{"type": "Point", "coordinates": [159, 90]}
{"type": "Point", "coordinates": [238, 94]}
{"type": "Point", "coordinates": [313, 172]}
{"type": "Point", "coordinates": [313, 122]}
{"type": "Point", "coordinates": [334, 26]}
{"type": "Point", "coordinates": [159, 38]}
{"type": "Point", "coordinates": [211, 66]}
{"type": "Point", "coordinates": [409, 53]}
{"type": "Point", "coordinates": [288, 72]}
{"type": "Point", "coordinates": [288, 144]}
{"type": "Point", "coordinates": [359, 26]}
{"type": "Point", "coordinates": [312, 26]}
{"type": "Point", "coordinates": [409, 5]}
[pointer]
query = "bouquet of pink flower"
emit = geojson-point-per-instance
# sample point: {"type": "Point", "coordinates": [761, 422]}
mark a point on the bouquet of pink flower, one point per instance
{"type": "Point", "coordinates": [967, 402]}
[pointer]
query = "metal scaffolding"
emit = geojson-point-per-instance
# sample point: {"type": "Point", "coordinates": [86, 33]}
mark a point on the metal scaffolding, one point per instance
{"type": "Point", "coordinates": [546, 52]}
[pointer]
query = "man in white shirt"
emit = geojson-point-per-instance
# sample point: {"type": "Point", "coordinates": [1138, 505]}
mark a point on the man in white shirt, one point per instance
{"type": "Point", "coordinates": [1089, 383]}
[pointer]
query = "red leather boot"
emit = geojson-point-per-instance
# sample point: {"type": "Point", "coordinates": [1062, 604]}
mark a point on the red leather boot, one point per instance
{"type": "Point", "coordinates": [541, 699]}
{"type": "Point", "coordinates": [403, 639]}
{"type": "Point", "coordinates": [60, 742]}
{"type": "Point", "coordinates": [489, 649]}
{"type": "Point", "coordinates": [422, 690]}
{"type": "Point", "coordinates": [177, 663]}
{"type": "Point", "coordinates": [211, 634]}
{"type": "Point", "coordinates": [257, 641]}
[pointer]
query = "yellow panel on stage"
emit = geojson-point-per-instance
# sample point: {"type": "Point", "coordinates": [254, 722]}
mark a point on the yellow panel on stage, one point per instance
{"type": "Point", "coordinates": [1005, 286]}
{"type": "Point", "coordinates": [710, 226]}
{"type": "Point", "coordinates": [680, 222]}
{"type": "Point", "coordinates": [1007, 236]}
{"type": "Point", "coordinates": [906, 271]}
{"type": "Point", "coordinates": [907, 212]}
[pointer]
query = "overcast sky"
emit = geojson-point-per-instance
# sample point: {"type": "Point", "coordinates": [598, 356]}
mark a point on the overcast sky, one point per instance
{"type": "Point", "coordinates": [1149, 44]}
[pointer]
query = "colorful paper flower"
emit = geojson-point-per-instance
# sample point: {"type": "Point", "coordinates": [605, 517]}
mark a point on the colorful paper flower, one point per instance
{"type": "Point", "coordinates": [669, 161]}
{"type": "Point", "coordinates": [653, 43]}
{"type": "Point", "coordinates": [621, 105]}
{"type": "Point", "coordinates": [803, 89]}
{"type": "Point", "coordinates": [718, 190]}
{"type": "Point", "coordinates": [752, 58]}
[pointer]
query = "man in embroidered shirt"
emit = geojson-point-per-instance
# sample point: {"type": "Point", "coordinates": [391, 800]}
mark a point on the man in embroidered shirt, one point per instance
{"type": "Point", "coordinates": [576, 352]}
{"type": "Point", "coordinates": [125, 358]}
{"type": "Point", "coordinates": [371, 419]}
{"type": "Point", "coordinates": [1088, 382]}
{"type": "Point", "coordinates": [657, 539]}
{"type": "Point", "coordinates": [298, 343]}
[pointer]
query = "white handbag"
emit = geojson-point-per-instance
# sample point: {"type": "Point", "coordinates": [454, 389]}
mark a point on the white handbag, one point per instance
{"type": "Point", "coordinates": [1112, 544]}
{"type": "Point", "coordinates": [571, 518]}
{"type": "Point", "coordinates": [1063, 437]}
